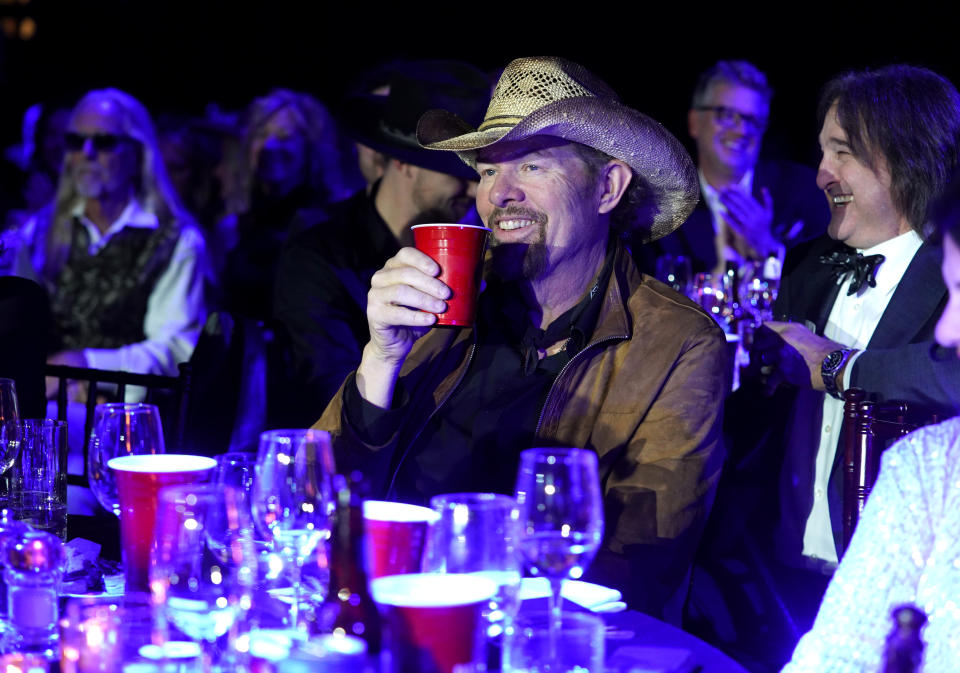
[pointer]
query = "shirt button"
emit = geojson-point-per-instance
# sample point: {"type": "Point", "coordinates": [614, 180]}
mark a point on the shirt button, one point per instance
{"type": "Point", "coordinates": [826, 428]}
{"type": "Point", "coordinates": [819, 493]}
{"type": "Point", "coordinates": [856, 307]}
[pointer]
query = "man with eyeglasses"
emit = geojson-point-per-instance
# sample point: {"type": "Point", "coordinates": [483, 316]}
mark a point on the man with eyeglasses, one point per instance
{"type": "Point", "coordinates": [122, 261]}
{"type": "Point", "coordinates": [749, 208]}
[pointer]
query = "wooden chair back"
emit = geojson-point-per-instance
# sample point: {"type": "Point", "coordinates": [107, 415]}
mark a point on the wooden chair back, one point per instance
{"type": "Point", "coordinates": [868, 428]}
{"type": "Point", "coordinates": [173, 409]}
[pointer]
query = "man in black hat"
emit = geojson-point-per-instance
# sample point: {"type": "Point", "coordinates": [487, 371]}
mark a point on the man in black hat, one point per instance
{"type": "Point", "coordinates": [572, 345]}
{"type": "Point", "coordinates": [324, 273]}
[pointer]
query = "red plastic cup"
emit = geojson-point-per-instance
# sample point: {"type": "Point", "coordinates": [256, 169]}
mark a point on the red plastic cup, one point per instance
{"type": "Point", "coordinates": [434, 619]}
{"type": "Point", "coordinates": [395, 535]}
{"type": "Point", "coordinates": [139, 480]}
{"type": "Point", "coordinates": [458, 249]}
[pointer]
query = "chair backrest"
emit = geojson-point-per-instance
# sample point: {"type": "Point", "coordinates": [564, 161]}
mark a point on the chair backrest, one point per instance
{"type": "Point", "coordinates": [177, 388]}
{"type": "Point", "coordinates": [868, 428]}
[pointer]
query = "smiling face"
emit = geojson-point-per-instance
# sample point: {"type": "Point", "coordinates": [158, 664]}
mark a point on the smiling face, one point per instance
{"type": "Point", "coordinates": [728, 141]}
{"type": "Point", "coordinates": [862, 213]}
{"type": "Point", "coordinates": [101, 174]}
{"type": "Point", "coordinates": [544, 206]}
{"type": "Point", "coordinates": [948, 327]}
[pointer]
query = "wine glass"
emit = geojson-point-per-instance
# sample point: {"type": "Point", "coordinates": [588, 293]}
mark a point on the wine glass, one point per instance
{"type": "Point", "coordinates": [120, 429]}
{"type": "Point", "coordinates": [757, 291]}
{"type": "Point", "coordinates": [9, 424]}
{"type": "Point", "coordinates": [561, 516]}
{"type": "Point", "coordinates": [293, 497]}
{"type": "Point", "coordinates": [477, 533]}
{"type": "Point", "coordinates": [199, 592]}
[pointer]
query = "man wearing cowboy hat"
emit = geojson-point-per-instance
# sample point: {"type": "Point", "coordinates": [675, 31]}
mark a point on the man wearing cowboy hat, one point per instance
{"type": "Point", "coordinates": [572, 345]}
{"type": "Point", "coordinates": [324, 274]}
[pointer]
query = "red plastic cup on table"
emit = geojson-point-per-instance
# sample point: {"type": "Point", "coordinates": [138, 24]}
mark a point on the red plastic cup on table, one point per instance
{"type": "Point", "coordinates": [395, 535]}
{"type": "Point", "coordinates": [458, 249]}
{"type": "Point", "coordinates": [434, 619]}
{"type": "Point", "coordinates": [139, 480]}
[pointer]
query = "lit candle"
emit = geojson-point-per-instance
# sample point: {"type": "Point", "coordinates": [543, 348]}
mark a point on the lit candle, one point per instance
{"type": "Point", "coordinates": [23, 663]}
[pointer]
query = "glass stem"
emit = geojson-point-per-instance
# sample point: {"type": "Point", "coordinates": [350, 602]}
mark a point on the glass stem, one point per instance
{"type": "Point", "coordinates": [297, 572]}
{"type": "Point", "coordinates": [556, 612]}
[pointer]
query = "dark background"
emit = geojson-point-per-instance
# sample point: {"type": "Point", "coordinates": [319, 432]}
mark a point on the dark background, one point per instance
{"type": "Point", "coordinates": [179, 56]}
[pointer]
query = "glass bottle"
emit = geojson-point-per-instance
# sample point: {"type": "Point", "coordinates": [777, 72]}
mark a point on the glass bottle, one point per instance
{"type": "Point", "coordinates": [349, 608]}
{"type": "Point", "coordinates": [903, 652]}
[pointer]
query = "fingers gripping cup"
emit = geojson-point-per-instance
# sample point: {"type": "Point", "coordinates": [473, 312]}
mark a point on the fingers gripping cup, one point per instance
{"type": "Point", "coordinates": [458, 249]}
{"type": "Point", "coordinates": [139, 480]}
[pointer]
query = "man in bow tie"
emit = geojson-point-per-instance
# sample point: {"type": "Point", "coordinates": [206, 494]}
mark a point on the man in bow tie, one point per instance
{"type": "Point", "coordinates": [860, 305]}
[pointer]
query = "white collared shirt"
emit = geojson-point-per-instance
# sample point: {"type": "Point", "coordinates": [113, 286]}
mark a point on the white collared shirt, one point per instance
{"type": "Point", "coordinates": [852, 322]}
{"type": "Point", "coordinates": [175, 308]}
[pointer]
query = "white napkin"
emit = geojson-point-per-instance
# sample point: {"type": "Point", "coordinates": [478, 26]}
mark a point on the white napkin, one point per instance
{"type": "Point", "coordinates": [593, 597]}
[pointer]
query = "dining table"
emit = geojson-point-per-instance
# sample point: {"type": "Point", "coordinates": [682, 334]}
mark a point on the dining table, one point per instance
{"type": "Point", "coordinates": [634, 641]}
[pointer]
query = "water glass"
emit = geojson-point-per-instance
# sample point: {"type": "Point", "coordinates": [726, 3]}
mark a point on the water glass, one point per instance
{"type": "Point", "coordinates": [477, 533]}
{"type": "Point", "coordinates": [120, 429]}
{"type": "Point", "coordinates": [9, 424]}
{"type": "Point", "coordinates": [192, 589]}
{"type": "Point", "coordinates": [38, 481]}
{"type": "Point", "coordinates": [530, 648]}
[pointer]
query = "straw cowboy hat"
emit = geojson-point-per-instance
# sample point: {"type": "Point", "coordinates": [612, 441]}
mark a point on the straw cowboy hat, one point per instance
{"type": "Point", "coordinates": [552, 96]}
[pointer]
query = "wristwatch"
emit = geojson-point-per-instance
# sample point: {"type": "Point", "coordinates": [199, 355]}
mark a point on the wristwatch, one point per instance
{"type": "Point", "coordinates": [831, 366]}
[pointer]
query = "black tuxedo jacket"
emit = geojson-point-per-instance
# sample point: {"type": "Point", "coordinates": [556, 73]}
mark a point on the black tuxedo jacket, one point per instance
{"type": "Point", "coordinates": [901, 362]}
{"type": "Point", "coordinates": [800, 213]}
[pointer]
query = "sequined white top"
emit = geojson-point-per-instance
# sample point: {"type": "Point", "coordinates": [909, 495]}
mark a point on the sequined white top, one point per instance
{"type": "Point", "coordinates": [906, 549]}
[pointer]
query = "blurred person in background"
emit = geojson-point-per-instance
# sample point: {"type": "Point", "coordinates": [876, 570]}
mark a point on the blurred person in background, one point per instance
{"type": "Point", "coordinates": [121, 259]}
{"type": "Point", "coordinates": [292, 160]}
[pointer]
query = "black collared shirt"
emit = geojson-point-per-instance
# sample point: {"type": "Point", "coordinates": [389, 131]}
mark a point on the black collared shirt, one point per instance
{"type": "Point", "coordinates": [474, 440]}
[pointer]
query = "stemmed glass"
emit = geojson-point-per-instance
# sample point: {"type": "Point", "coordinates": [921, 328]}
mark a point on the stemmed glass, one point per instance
{"type": "Point", "coordinates": [120, 429]}
{"type": "Point", "coordinates": [561, 516]}
{"type": "Point", "coordinates": [201, 588]}
{"type": "Point", "coordinates": [293, 497]}
{"type": "Point", "coordinates": [757, 291]}
{"type": "Point", "coordinates": [9, 425]}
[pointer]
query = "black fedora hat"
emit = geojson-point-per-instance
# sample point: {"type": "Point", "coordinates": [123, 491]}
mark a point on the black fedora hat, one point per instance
{"type": "Point", "coordinates": [388, 123]}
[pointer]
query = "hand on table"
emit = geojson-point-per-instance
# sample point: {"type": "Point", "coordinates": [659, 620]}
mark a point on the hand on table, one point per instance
{"type": "Point", "coordinates": [788, 352]}
{"type": "Point", "coordinates": [750, 220]}
{"type": "Point", "coordinates": [403, 297]}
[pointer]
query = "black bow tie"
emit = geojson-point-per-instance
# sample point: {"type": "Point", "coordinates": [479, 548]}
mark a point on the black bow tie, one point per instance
{"type": "Point", "coordinates": [864, 268]}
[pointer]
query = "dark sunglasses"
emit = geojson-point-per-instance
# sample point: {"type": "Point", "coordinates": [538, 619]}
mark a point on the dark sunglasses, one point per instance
{"type": "Point", "coordinates": [102, 142]}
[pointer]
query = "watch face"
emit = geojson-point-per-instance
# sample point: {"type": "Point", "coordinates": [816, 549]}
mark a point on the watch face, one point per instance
{"type": "Point", "coordinates": [832, 360]}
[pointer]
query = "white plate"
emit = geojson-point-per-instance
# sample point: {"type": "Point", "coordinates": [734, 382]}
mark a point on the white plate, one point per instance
{"type": "Point", "coordinates": [593, 597]}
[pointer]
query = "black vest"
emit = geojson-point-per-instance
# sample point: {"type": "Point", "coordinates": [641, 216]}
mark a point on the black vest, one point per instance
{"type": "Point", "coordinates": [99, 301]}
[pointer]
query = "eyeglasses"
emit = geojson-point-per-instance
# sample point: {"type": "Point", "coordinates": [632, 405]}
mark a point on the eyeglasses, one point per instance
{"type": "Point", "coordinates": [102, 142]}
{"type": "Point", "coordinates": [727, 116]}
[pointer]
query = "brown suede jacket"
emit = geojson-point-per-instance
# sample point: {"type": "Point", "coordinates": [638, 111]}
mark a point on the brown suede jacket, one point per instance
{"type": "Point", "coordinates": [646, 393]}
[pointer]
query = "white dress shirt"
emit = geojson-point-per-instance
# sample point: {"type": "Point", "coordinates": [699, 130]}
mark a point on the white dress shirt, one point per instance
{"type": "Point", "coordinates": [851, 323]}
{"type": "Point", "coordinates": [175, 308]}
